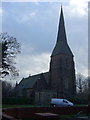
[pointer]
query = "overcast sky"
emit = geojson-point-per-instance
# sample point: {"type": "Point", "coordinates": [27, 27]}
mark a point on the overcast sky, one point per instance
{"type": "Point", "coordinates": [35, 26]}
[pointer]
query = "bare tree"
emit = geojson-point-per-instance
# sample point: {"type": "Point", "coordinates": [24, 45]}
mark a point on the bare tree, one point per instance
{"type": "Point", "coordinates": [82, 86]}
{"type": "Point", "coordinates": [79, 83]}
{"type": "Point", "coordinates": [10, 48]}
{"type": "Point", "coordinates": [89, 88]}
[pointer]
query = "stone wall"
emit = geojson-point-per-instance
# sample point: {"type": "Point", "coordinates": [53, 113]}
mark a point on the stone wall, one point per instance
{"type": "Point", "coordinates": [62, 75]}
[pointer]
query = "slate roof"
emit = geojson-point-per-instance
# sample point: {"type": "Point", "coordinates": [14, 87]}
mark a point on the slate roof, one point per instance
{"type": "Point", "coordinates": [31, 80]}
{"type": "Point", "coordinates": [61, 46]}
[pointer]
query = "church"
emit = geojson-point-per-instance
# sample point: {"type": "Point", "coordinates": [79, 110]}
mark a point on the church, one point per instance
{"type": "Point", "coordinates": [59, 81]}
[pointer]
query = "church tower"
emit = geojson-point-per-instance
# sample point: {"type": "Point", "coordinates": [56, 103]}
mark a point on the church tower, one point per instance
{"type": "Point", "coordinates": [62, 71]}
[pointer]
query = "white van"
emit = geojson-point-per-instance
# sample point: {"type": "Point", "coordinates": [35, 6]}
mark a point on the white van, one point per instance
{"type": "Point", "coordinates": [56, 102]}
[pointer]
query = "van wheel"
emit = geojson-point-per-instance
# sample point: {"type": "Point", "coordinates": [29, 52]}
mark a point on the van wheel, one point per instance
{"type": "Point", "coordinates": [54, 105]}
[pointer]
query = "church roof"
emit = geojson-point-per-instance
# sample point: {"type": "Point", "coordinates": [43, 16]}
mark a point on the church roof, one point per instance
{"type": "Point", "coordinates": [30, 81]}
{"type": "Point", "coordinates": [61, 46]}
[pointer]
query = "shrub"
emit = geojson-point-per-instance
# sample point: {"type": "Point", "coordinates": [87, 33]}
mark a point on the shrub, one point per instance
{"type": "Point", "coordinates": [78, 100]}
{"type": "Point", "coordinates": [17, 101]}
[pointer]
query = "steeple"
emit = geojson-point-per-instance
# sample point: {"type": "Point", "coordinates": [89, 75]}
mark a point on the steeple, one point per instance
{"type": "Point", "coordinates": [61, 30]}
{"type": "Point", "coordinates": [61, 44]}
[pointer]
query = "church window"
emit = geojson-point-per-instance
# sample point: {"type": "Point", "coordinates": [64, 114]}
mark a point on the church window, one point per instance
{"type": "Point", "coordinates": [67, 62]}
{"type": "Point", "coordinates": [60, 62]}
{"type": "Point", "coordinates": [28, 92]}
{"type": "Point", "coordinates": [66, 84]}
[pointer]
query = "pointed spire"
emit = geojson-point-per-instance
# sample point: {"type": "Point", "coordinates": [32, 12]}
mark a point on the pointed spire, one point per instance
{"type": "Point", "coordinates": [61, 30]}
{"type": "Point", "coordinates": [61, 44]}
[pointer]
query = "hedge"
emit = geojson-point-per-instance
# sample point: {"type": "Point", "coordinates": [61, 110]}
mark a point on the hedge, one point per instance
{"type": "Point", "coordinates": [79, 101]}
{"type": "Point", "coordinates": [18, 101]}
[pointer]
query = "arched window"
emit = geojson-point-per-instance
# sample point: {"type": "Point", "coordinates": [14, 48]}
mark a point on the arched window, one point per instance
{"type": "Point", "coordinates": [67, 63]}
{"type": "Point", "coordinates": [60, 62]}
{"type": "Point", "coordinates": [66, 83]}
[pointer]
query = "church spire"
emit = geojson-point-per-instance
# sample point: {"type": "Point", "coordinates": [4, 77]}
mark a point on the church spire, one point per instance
{"type": "Point", "coordinates": [61, 30]}
{"type": "Point", "coordinates": [61, 44]}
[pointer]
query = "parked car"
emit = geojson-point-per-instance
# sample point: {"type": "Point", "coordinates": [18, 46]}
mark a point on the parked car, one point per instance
{"type": "Point", "coordinates": [56, 102]}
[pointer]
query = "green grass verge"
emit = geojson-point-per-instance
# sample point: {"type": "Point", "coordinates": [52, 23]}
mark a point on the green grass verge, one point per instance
{"type": "Point", "coordinates": [80, 104]}
{"type": "Point", "coordinates": [14, 106]}
{"type": "Point", "coordinates": [25, 105]}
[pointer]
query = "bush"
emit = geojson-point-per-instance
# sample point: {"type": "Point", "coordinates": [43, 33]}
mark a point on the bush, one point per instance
{"type": "Point", "coordinates": [18, 101]}
{"type": "Point", "coordinates": [78, 100]}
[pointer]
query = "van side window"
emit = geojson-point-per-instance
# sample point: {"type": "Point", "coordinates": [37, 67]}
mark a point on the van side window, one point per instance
{"type": "Point", "coordinates": [65, 101]}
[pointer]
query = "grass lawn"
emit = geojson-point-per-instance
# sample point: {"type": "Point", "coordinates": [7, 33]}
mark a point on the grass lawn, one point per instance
{"type": "Point", "coordinates": [13, 106]}
{"type": "Point", "coordinates": [80, 104]}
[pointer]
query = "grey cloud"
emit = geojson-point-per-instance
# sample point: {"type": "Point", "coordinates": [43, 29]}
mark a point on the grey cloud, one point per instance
{"type": "Point", "coordinates": [38, 35]}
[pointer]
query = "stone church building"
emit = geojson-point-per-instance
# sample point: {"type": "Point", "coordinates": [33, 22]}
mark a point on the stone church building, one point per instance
{"type": "Point", "coordinates": [60, 81]}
